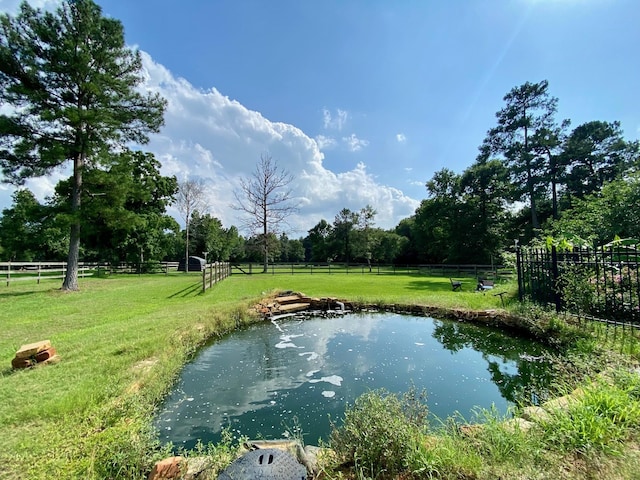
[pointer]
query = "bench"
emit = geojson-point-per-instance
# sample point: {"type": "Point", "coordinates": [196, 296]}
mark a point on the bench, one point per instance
{"type": "Point", "coordinates": [484, 285]}
{"type": "Point", "coordinates": [456, 285]}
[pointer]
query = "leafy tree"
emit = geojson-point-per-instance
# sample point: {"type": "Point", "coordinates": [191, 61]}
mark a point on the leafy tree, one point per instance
{"type": "Point", "coordinates": [344, 225]}
{"type": "Point", "coordinates": [20, 227]}
{"type": "Point", "coordinates": [124, 204]}
{"type": "Point", "coordinates": [595, 153]}
{"type": "Point", "coordinates": [529, 110]}
{"type": "Point", "coordinates": [318, 242]}
{"type": "Point", "coordinates": [364, 238]}
{"type": "Point", "coordinates": [438, 218]}
{"type": "Point", "coordinates": [72, 82]}
{"type": "Point", "coordinates": [386, 246]}
{"type": "Point", "coordinates": [291, 250]}
{"type": "Point", "coordinates": [265, 199]}
{"type": "Point", "coordinates": [598, 218]}
{"type": "Point", "coordinates": [485, 187]}
{"type": "Point", "coordinates": [208, 235]}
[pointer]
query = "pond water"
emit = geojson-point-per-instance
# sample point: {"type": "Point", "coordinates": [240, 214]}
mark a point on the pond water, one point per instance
{"type": "Point", "coordinates": [274, 377]}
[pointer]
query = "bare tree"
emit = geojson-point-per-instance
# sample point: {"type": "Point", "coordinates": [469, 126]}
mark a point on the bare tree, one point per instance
{"type": "Point", "coordinates": [190, 197]}
{"type": "Point", "coordinates": [265, 198]}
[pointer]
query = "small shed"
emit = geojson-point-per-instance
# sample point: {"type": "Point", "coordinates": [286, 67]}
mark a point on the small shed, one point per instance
{"type": "Point", "coordinates": [196, 264]}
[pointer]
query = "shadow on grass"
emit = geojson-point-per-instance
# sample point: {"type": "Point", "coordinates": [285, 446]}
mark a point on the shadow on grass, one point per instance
{"type": "Point", "coordinates": [17, 294]}
{"type": "Point", "coordinates": [196, 288]}
{"type": "Point", "coordinates": [431, 285]}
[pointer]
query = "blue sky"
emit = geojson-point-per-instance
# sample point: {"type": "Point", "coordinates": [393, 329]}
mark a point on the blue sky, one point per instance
{"type": "Point", "coordinates": [364, 100]}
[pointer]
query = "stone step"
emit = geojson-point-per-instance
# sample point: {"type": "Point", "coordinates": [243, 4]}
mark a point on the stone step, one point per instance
{"type": "Point", "coordinates": [293, 307]}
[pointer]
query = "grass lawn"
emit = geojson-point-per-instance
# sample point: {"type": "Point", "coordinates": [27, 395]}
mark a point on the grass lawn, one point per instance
{"type": "Point", "coordinates": [122, 340]}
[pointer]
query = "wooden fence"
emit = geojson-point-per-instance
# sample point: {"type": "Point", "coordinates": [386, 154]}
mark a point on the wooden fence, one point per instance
{"type": "Point", "coordinates": [492, 272]}
{"type": "Point", "coordinates": [213, 273]}
{"type": "Point", "coordinates": [11, 272]}
{"type": "Point", "coordinates": [37, 271]}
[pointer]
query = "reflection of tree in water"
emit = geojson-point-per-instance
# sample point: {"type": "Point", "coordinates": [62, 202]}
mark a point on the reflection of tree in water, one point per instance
{"type": "Point", "coordinates": [530, 383]}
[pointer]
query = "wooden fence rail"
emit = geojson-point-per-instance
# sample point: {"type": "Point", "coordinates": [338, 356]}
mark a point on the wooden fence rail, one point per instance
{"type": "Point", "coordinates": [30, 271]}
{"type": "Point", "coordinates": [213, 273]}
{"type": "Point", "coordinates": [11, 272]}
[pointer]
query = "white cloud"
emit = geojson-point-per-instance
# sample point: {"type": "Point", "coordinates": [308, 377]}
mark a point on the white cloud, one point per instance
{"type": "Point", "coordinates": [334, 122]}
{"type": "Point", "coordinates": [401, 138]}
{"type": "Point", "coordinates": [354, 143]}
{"type": "Point", "coordinates": [219, 140]}
{"type": "Point", "coordinates": [325, 143]}
{"type": "Point", "coordinates": [209, 135]}
{"type": "Point", "coordinates": [12, 6]}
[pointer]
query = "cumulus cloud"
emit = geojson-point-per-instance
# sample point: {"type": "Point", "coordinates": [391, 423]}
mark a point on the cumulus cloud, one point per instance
{"type": "Point", "coordinates": [325, 143]}
{"type": "Point", "coordinates": [353, 143]}
{"type": "Point", "coordinates": [401, 138]}
{"type": "Point", "coordinates": [217, 139]}
{"type": "Point", "coordinates": [211, 136]}
{"type": "Point", "coordinates": [12, 6]}
{"type": "Point", "coordinates": [334, 122]}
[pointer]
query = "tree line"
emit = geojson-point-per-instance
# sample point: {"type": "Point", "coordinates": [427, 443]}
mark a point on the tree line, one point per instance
{"type": "Point", "coordinates": [71, 87]}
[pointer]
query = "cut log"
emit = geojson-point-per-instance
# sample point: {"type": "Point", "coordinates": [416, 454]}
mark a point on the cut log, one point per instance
{"type": "Point", "coordinates": [45, 354]}
{"type": "Point", "coordinates": [22, 363]}
{"type": "Point", "coordinates": [32, 349]}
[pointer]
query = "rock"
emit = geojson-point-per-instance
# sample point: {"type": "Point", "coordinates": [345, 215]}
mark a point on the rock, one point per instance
{"type": "Point", "coordinates": [166, 469]}
{"type": "Point", "coordinates": [561, 403]}
{"type": "Point", "coordinates": [535, 414]}
{"type": "Point", "coordinates": [518, 425]}
{"type": "Point", "coordinates": [197, 468]}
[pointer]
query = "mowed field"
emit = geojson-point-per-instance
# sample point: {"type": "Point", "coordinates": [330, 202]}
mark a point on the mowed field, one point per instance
{"type": "Point", "coordinates": [123, 339]}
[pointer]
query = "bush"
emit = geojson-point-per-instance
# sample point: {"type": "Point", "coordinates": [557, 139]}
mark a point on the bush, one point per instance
{"type": "Point", "coordinates": [379, 430]}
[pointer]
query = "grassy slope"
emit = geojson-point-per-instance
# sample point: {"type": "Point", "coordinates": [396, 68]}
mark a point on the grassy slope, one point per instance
{"type": "Point", "coordinates": [122, 340]}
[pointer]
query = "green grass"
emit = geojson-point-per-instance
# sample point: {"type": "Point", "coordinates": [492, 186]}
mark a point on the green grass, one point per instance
{"type": "Point", "coordinates": [123, 339]}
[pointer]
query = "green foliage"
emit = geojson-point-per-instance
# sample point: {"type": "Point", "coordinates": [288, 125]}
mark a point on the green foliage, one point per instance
{"type": "Point", "coordinates": [379, 430]}
{"type": "Point", "coordinates": [577, 288]}
{"type": "Point", "coordinates": [72, 81]}
{"type": "Point", "coordinates": [501, 439]}
{"type": "Point", "coordinates": [443, 456]}
{"type": "Point", "coordinates": [598, 420]}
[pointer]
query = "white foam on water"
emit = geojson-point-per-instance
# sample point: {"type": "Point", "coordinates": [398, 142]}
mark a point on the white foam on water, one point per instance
{"type": "Point", "coordinates": [311, 373]}
{"type": "Point", "coordinates": [329, 393]}
{"type": "Point", "coordinates": [420, 344]}
{"type": "Point", "coordinates": [332, 379]}
{"type": "Point", "coordinates": [286, 345]}
{"type": "Point", "coordinates": [277, 326]}
{"type": "Point", "coordinates": [312, 355]}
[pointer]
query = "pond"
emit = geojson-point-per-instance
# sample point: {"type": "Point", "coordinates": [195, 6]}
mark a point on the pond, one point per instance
{"type": "Point", "coordinates": [272, 378]}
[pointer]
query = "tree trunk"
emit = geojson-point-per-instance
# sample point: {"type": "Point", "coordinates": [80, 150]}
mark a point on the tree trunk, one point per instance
{"type": "Point", "coordinates": [71, 277]}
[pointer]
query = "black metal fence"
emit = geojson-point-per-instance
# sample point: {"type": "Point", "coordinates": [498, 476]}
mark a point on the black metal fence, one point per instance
{"type": "Point", "coordinates": [602, 282]}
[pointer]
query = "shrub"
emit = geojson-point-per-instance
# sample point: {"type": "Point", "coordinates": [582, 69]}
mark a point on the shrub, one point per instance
{"type": "Point", "coordinates": [379, 430]}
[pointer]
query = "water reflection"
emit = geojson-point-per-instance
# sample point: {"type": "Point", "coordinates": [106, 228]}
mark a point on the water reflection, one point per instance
{"type": "Point", "coordinates": [266, 378]}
